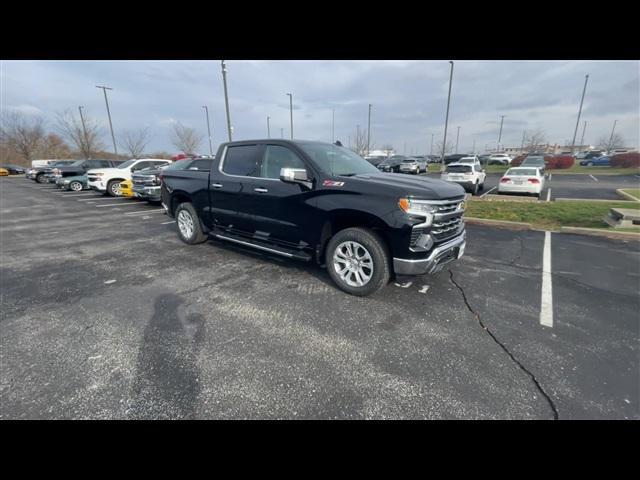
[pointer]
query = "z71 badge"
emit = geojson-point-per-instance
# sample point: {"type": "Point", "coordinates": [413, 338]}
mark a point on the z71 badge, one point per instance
{"type": "Point", "coordinates": [332, 183]}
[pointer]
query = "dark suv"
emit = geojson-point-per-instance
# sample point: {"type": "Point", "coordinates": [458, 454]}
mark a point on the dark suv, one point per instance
{"type": "Point", "coordinates": [79, 167]}
{"type": "Point", "coordinates": [319, 202]}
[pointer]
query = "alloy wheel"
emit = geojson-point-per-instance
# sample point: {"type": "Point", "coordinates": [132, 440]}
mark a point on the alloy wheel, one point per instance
{"type": "Point", "coordinates": [353, 263]}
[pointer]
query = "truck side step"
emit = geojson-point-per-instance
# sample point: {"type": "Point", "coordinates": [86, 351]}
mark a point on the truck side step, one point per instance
{"type": "Point", "coordinates": [264, 246]}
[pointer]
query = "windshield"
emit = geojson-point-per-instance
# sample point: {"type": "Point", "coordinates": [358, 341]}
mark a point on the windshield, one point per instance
{"type": "Point", "coordinates": [533, 161]}
{"type": "Point", "coordinates": [458, 169]}
{"type": "Point", "coordinates": [529, 172]}
{"type": "Point", "coordinates": [77, 163]}
{"type": "Point", "coordinates": [126, 164]}
{"type": "Point", "coordinates": [336, 160]}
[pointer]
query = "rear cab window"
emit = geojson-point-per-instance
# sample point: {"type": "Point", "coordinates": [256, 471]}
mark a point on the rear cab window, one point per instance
{"type": "Point", "coordinates": [241, 160]}
{"type": "Point", "coordinates": [459, 169]}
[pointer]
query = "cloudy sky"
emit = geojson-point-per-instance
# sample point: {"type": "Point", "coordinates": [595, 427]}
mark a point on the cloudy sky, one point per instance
{"type": "Point", "coordinates": [409, 98]}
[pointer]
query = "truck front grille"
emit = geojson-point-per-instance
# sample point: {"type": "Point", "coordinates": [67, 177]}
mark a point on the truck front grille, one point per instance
{"type": "Point", "coordinates": [442, 230]}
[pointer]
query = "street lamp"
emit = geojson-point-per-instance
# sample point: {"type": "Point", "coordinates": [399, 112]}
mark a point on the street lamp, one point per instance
{"type": "Point", "coordinates": [291, 112]}
{"type": "Point", "coordinates": [446, 121]}
{"type": "Point", "coordinates": [500, 134]}
{"type": "Point", "coordinates": [113, 137]}
{"type": "Point", "coordinates": [583, 130]}
{"type": "Point", "coordinates": [611, 138]}
{"type": "Point", "coordinates": [573, 142]}
{"type": "Point", "coordinates": [369, 130]}
{"type": "Point", "coordinates": [268, 128]}
{"type": "Point", "coordinates": [226, 99]}
{"type": "Point", "coordinates": [206, 109]}
{"type": "Point", "coordinates": [457, 138]}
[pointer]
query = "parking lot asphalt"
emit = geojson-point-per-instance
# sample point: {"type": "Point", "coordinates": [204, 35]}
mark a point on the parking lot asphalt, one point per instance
{"type": "Point", "coordinates": [106, 314]}
{"type": "Point", "coordinates": [595, 186]}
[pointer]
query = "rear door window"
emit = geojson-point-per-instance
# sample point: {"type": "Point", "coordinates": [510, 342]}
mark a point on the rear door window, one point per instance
{"type": "Point", "coordinates": [241, 160]}
{"type": "Point", "coordinates": [200, 165]}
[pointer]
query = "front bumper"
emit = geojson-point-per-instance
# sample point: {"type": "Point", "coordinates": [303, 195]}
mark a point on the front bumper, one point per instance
{"type": "Point", "coordinates": [146, 192]}
{"type": "Point", "coordinates": [97, 184]}
{"type": "Point", "coordinates": [437, 259]}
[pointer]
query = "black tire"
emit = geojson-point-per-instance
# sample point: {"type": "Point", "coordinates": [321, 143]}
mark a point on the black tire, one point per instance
{"type": "Point", "coordinates": [40, 178]}
{"type": "Point", "coordinates": [197, 233]}
{"type": "Point", "coordinates": [474, 190]}
{"type": "Point", "coordinates": [377, 250]}
{"type": "Point", "coordinates": [482, 186]}
{"type": "Point", "coordinates": [113, 188]}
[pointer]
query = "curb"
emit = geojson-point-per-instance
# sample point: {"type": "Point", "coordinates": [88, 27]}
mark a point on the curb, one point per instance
{"type": "Point", "coordinates": [601, 233]}
{"type": "Point", "coordinates": [498, 223]}
{"type": "Point", "coordinates": [627, 195]}
{"type": "Point", "coordinates": [593, 200]}
{"type": "Point", "coordinates": [506, 198]}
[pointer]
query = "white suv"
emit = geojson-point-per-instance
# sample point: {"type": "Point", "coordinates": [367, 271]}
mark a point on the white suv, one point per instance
{"type": "Point", "coordinates": [107, 180]}
{"type": "Point", "coordinates": [469, 176]}
{"type": "Point", "coordinates": [499, 158]}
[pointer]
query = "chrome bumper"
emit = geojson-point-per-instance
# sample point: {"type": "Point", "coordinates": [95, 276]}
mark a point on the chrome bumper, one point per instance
{"type": "Point", "coordinates": [439, 257]}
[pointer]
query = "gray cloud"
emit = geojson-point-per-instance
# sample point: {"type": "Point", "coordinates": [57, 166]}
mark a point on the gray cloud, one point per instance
{"type": "Point", "coordinates": [408, 97]}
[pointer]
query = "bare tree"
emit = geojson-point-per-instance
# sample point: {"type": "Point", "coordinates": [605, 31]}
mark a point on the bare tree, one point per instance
{"type": "Point", "coordinates": [604, 142]}
{"type": "Point", "coordinates": [448, 149]}
{"type": "Point", "coordinates": [86, 139]}
{"type": "Point", "coordinates": [21, 133]}
{"type": "Point", "coordinates": [53, 146]}
{"type": "Point", "coordinates": [185, 139]}
{"type": "Point", "coordinates": [359, 142]}
{"type": "Point", "coordinates": [135, 141]}
{"type": "Point", "coordinates": [535, 141]}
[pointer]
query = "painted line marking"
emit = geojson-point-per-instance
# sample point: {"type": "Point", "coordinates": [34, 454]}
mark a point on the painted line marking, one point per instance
{"type": "Point", "coordinates": [98, 199]}
{"type": "Point", "coordinates": [548, 195]}
{"type": "Point", "coordinates": [167, 223]}
{"type": "Point", "coordinates": [593, 178]}
{"type": "Point", "coordinates": [546, 300]}
{"type": "Point", "coordinates": [145, 211]}
{"type": "Point", "coordinates": [116, 204]}
{"type": "Point", "coordinates": [488, 191]}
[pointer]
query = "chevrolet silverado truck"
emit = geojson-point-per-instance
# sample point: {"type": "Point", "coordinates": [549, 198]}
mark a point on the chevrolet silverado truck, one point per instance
{"type": "Point", "coordinates": [107, 180]}
{"type": "Point", "coordinates": [319, 202]}
{"type": "Point", "coordinates": [146, 183]}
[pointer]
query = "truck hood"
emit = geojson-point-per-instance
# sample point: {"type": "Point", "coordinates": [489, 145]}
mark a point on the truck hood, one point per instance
{"type": "Point", "coordinates": [419, 187]}
{"type": "Point", "coordinates": [107, 171]}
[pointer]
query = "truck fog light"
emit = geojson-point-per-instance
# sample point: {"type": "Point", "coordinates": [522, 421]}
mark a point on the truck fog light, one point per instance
{"type": "Point", "coordinates": [424, 241]}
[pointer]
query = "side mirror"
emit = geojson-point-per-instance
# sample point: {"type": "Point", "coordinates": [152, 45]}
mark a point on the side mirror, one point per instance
{"type": "Point", "coordinates": [294, 175]}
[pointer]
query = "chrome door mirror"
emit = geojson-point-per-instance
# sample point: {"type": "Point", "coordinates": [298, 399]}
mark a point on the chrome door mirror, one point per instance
{"type": "Point", "coordinates": [294, 175]}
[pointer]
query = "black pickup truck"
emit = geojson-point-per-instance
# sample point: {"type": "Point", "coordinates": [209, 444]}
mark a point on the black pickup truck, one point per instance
{"type": "Point", "coordinates": [79, 167]}
{"type": "Point", "coordinates": [319, 202]}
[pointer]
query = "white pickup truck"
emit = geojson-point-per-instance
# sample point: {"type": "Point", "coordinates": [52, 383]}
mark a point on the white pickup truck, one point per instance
{"type": "Point", "coordinates": [107, 180]}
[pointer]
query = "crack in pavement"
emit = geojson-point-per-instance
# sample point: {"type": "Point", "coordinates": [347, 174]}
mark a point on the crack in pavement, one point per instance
{"type": "Point", "coordinates": [517, 257]}
{"type": "Point", "coordinates": [501, 345]}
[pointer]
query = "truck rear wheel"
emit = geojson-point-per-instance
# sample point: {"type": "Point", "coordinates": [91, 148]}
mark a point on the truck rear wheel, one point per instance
{"type": "Point", "coordinates": [357, 261]}
{"type": "Point", "coordinates": [189, 227]}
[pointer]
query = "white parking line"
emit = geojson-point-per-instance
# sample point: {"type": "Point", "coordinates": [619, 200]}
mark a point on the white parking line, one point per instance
{"type": "Point", "coordinates": [99, 199]}
{"type": "Point", "coordinates": [488, 191]}
{"type": "Point", "coordinates": [167, 223]}
{"type": "Point", "coordinates": [116, 204]}
{"type": "Point", "coordinates": [546, 301]}
{"type": "Point", "coordinates": [145, 211]}
{"type": "Point", "coordinates": [548, 195]}
{"type": "Point", "coordinates": [593, 178]}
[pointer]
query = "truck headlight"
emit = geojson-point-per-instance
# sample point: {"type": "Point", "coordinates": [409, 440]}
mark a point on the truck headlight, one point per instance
{"type": "Point", "coordinates": [418, 207]}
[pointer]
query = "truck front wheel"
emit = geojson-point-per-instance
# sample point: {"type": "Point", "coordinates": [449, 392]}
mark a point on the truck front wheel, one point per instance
{"type": "Point", "coordinates": [357, 261]}
{"type": "Point", "coordinates": [189, 227]}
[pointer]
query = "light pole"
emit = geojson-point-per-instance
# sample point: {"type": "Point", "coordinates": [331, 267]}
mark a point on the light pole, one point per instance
{"type": "Point", "coordinates": [457, 138]}
{"type": "Point", "coordinates": [84, 130]}
{"type": "Point", "coordinates": [268, 128]}
{"type": "Point", "coordinates": [369, 130]}
{"type": "Point", "coordinates": [524, 133]}
{"type": "Point", "coordinates": [583, 130]}
{"type": "Point", "coordinates": [446, 121]}
{"type": "Point", "coordinates": [333, 123]}
{"type": "Point", "coordinates": [113, 137]}
{"type": "Point", "coordinates": [573, 142]}
{"type": "Point", "coordinates": [500, 134]}
{"type": "Point", "coordinates": [291, 112]}
{"type": "Point", "coordinates": [611, 138]}
{"type": "Point", "coordinates": [226, 98]}
{"type": "Point", "coordinates": [206, 109]}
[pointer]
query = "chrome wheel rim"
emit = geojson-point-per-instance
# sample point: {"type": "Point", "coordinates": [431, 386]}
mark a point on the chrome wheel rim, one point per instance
{"type": "Point", "coordinates": [75, 186]}
{"type": "Point", "coordinates": [185, 224]}
{"type": "Point", "coordinates": [115, 189]}
{"type": "Point", "coordinates": [353, 263]}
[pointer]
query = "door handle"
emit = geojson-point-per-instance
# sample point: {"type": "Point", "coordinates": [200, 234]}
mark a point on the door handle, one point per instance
{"type": "Point", "coordinates": [216, 185]}
{"type": "Point", "coordinates": [260, 190]}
